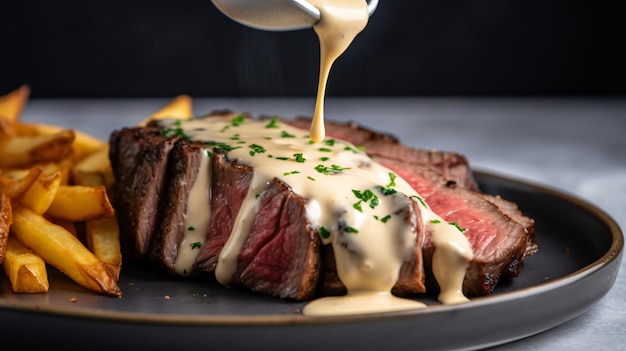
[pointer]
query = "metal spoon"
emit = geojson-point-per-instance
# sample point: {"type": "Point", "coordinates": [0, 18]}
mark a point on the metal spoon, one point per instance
{"type": "Point", "coordinates": [275, 15]}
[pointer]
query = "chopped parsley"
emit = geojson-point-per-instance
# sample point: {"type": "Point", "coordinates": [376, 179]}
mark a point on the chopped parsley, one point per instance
{"type": "Point", "coordinates": [299, 158]}
{"type": "Point", "coordinates": [384, 219]}
{"type": "Point", "coordinates": [350, 230]}
{"type": "Point", "coordinates": [273, 123]}
{"type": "Point", "coordinates": [329, 142]}
{"type": "Point", "coordinates": [419, 198]}
{"type": "Point", "coordinates": [237, 121]}
{"type": "Point", "coordinates": [435, 221]}
{"type": "Point", "coordinates": [196, 245]}
{"type": "Point", "coordinates": [191, 228]}
{"type": "Point", "coordinates": [333, 169]}
{"type": "Point", "coordinates": [256, 149]}
{"type": "Point", "coordinates": [325, 149]}
{"type": "Point", "coordinates": [177, 131]}
{"type": "Point", "coordinates": [311, 178]}
{"type": "Point", "coordinates": [389, 188]}
{"type": "Point", "coordinates": [365, 196]}
{"type": "Point", "coordinates": [292, 172]}
{"type": "Point", "coordinates": [324, 233]}
{"type": "Point", "coordinates": [221, 146]}
{"type": "Point", "coordinates": [284, 134]}
{"type": "Point", "coordinates": [461, 229]}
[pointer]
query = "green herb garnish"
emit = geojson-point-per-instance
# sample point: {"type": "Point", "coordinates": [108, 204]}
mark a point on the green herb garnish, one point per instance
{"type": "Point", "coordinates": [324, 233]}
{"type": "Point", "coordinates": [237, 121]}
{"type": "Point", "coordinates": [256, 149]}
{"type": "Point", "coordinates": [273, 123]}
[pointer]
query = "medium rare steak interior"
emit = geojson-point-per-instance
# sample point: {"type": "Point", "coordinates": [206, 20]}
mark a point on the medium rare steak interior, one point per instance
{"type": "Point", "coordinates": [284, 253]}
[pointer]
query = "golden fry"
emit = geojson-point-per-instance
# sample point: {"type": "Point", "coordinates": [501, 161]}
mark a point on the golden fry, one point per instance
{"type": "Point", "coordinates": [180, 108]}
{"type": "Point", "coordinates": [25, 269]}
{"type": "Point", "coordinates": [64, 167]}
{"type": "Point", "coordinates": [24, 151]}
{"type": "Point", "coordinates": [103, 239]}
{"type": "Point", "coordinates": [61, 249]}
{"type": "Point", "coordinates": [6, 217]}
{"type": "Point", "coordinates": [12, 104]}
{"type": "Point", "coordinates": [94, 170]}
{"type": "Point", "coordinates": [83, 145]}
{"type": "Point", "coordinates": [14, 183]}
{"type": "Point", "coordinates": [42, 192]}
{"type": "Point", "coordinates": [80, 203]}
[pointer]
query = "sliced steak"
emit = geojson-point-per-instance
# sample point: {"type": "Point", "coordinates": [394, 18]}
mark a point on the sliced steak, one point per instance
{"type": "Point", "coordinates": [139, 158]}
{"type": "Point", "coordinates": [184, 164]}
{"type": "Point", "coordinates": [281, 256]}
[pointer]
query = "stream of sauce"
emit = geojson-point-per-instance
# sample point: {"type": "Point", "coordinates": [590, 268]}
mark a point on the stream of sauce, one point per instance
{"type": "Point", "coordinates": [346, 203]}
{"type": "Point", "coordinates": [341, 21]}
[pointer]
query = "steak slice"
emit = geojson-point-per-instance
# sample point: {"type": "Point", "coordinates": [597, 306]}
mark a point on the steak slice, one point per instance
{"type": "Point", "coordinates": [230, 184]}
{"type": "Point", "coordinates": [139, 158]}
{"type": "Point", "coordinates": [281, 256]}
{"type": "Point", "coordinates": [184, 164]}
{"type": "Point", "coordinates": [451, 165]}
{"type": "Point", "coordinates": [498, 241]}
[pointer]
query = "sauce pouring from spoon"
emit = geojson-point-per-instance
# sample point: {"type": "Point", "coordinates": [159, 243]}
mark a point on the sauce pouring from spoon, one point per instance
{"type": "Point", "coordinates": [336, 22]}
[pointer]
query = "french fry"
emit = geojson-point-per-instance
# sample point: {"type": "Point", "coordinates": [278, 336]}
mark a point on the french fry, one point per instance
{"type": "Point", "coordinates": [61, 249]}
{"type": "Point", "coordinates": [101, 235]}
{"type": "Point", "coordinates": [6, 218]}
{"type": "Point", "coordinates": [103, 239]}
{"type": "Point", "coordinates": [42, 192]}
{"type": "Point", "coordinates": [12, 104]}
{"type": "Point", "coordinates": [24, 151]}
{"type": "Point", "coordinates": [80, 203]}
{"type": "Point", "coordinates": [64, 167]}
{"type": "Point", "coordinates": [94, 170]}
{"type": "Point", "coordinates": [14, 183]}
{"type": "Point", "coordinates": [180, 107]}
{"type": "Point", "coordinates": [26, 270]}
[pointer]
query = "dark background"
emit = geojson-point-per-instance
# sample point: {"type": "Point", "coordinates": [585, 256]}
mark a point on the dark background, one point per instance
{"type": "Point", "coordinates": [429, 48]}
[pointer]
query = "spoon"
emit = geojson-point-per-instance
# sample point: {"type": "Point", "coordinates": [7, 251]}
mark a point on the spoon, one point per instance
{"type": "Point", "coordinates": [275, 15]}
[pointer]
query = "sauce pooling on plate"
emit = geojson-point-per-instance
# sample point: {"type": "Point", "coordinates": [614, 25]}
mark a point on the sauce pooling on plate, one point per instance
{"type": "Point", "coordinates": [356, 205]}
{"type": "Point", "coordinates": [341, 21]}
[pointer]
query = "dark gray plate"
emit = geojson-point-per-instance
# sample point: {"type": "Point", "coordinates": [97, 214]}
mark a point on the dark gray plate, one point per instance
{"type": "Point", "coordinates": [580, 252]}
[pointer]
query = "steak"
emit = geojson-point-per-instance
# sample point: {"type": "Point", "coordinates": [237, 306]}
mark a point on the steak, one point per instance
{"type": "Point", "coordinates": [283, 255]}
{"type": "Point", "coordinates": [139, 160]}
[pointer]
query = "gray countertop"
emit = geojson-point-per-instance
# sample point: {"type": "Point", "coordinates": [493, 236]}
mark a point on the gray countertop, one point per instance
{"type": "Point", "coordinates": [575, 145]}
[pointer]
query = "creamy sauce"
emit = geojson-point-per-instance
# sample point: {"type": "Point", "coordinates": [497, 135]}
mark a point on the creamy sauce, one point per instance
{"type": "Point", "coordinates": [346, 203]}
{"type": "Point", "coordinates": [196, 218]}
{"type": "Point", "coordinates": [341, 21]}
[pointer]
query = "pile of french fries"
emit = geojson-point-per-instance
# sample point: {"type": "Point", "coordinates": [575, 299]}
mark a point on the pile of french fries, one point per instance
{"type": "Point", "coordinates": [54, 205]}
{"type": "Point", "coordinates": [54, 201]}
